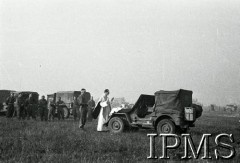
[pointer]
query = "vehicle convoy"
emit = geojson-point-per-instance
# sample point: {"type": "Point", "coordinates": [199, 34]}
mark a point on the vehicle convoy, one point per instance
{"type": "Point", "coordinates": [166, 112]}
{"type": "Point", "coordinates": [67, 97]}
{"type": "Point", "coordinates": [4, 94]}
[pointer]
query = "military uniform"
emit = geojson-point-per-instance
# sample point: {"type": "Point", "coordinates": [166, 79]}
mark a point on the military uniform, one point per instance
{"type": "Point", "coordinates": [76, 109]}
{"type": "Point", "coordinates": [51, 111]}
{"type": "Point", "coordinates": [31, 108]}
{"type": "Point", "coordinates": [60, 112]}
{"type": "Point", "coordinates": [82, 100]}
{"type": "Point", "coordinates": [43, 111]}
{"type": "Point", "coordinates": [10, 103]}
{"type": "Point", "coordinates": [21, 111]}
{"type": "Point", "coordinates": [91, 106]}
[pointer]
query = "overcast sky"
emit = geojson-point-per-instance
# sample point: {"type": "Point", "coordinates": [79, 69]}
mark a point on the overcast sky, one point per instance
{"type": "Point", "coordinates": [129, 46]}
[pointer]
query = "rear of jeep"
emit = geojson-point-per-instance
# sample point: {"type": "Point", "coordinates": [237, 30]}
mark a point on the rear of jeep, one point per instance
{"type": "Point", "coordinates": [175, 111]}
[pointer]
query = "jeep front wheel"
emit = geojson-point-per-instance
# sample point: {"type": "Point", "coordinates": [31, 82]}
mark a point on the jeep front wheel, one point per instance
{"type": "Point", "coordinates": [166, 126]}
{"type": "Point", "coordinates": [116, 125]}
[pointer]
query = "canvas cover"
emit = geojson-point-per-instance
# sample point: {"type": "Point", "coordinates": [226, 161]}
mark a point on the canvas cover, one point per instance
{"type": "Point", "coordinates": [67, 96]}
{"type": "Point", "coordinates": [173, 101]}
{"type": "Point", "coordinates": [4, 94]}
{"type": "Point", "coordinates": [51, 97]}
{"type": "Point", "coordinates": [25, 95]}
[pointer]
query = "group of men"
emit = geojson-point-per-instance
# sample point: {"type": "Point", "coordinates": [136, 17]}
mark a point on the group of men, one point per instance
{"type": "Point", "coordinates": [81, 108]}
{"type": "Point", "coordinates": [21, 108]}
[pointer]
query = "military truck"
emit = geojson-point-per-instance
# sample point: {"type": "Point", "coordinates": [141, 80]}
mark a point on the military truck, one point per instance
{"type": "Point", "coordinates": [165, 112]}
{"type": "Point", "coordinates": [4, 94]}
{"type": "Point", "coordinates": [67, 98]}
{"type": "Point", "coordinates": [25, 96]}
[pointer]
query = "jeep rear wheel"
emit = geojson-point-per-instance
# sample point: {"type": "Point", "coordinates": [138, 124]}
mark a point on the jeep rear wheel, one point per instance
{"type": "Point", "coordinates": [166, 126]}
{"type": "Point", "coordinates": [116, 125]}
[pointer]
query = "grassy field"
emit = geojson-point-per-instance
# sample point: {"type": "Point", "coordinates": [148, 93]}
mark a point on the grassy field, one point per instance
{"type": "Point", "coordinates": [35, 141]}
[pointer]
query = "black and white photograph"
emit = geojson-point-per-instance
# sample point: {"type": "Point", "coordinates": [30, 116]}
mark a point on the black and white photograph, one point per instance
{"type": "Point", "coordinates": [119, 81]}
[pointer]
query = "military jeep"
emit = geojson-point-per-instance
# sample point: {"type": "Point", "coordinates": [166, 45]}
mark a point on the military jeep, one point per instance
{"type": "Point", "coordinates": [165, 112]}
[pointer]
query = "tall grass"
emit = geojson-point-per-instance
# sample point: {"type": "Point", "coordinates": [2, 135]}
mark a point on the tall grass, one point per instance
{"type": "Point", "coordinates": [63, 141]}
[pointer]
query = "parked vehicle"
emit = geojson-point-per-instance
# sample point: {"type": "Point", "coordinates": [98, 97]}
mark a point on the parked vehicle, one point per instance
{"type": "Point", "coordinates": [67, 98]}
{"type": "Point", "coordinates": [25, 95]}
{"type": "Point", "coordinates": [231, 108]}
{"type": "Point", "coordinates": [166, 112]}
{"type": "Point", "coordinates": [4, 94]}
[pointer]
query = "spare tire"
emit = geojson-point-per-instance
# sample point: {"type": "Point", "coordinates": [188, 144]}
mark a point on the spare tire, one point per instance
{"type": "Point", "coordinates": [198, 109]}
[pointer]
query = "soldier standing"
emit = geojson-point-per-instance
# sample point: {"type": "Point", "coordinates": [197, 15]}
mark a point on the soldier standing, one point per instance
{"type": "Point", "coordinates": [51, 110]}
{"type": "Point", "coordinates": [91, 106]}
{"type": "Point", "coordinates": [59, 105]}
{"type": "Point", "coordinates": [10, 103]}
{"type": "Point", "coordinates": [21, 111]}
{"type": "Point", "coordinates": [82, 100]}
{"type": "Point", "coordinates": [31, 112]}
{"type": "Point", "coordinates": [42, 105]}
{"type": "Point", "coordinates": [75, 108]}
